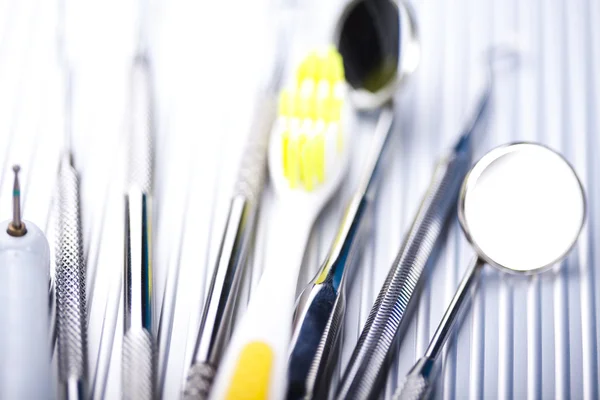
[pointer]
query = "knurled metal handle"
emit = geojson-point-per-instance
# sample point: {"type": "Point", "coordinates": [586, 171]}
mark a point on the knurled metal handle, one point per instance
{"type": "Point", "coordinates": [417, 384]}
{"type": "Point", "coordinates": [414, 387]}
{"type": "Point", "coordinates": [371, 355]}
{"type": "Point", "coordinates": [138, 372]}
{"type": "Point", "coordinates": [141, 129]}
{"type": "Point", "coordinates": [253, 167]}
{"type": "Point", "coordinates": [71, 310]}
{"type": "Point", "coordinates": [199, 381]}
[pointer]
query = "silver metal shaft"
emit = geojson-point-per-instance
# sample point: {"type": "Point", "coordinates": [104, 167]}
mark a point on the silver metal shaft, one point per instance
{"type": "Point", "coordinates": [419, 381]}
{"type": "Point", "coordinates": [139, 353]}
{"type": "Point", "coordinates": [450, 316]}
{"type": "Point", "coordinates": [321, 306]}
{"type": "Point", "coordinates": [370, 359]}
{"type": "Point", "coordinates": [217, 318]}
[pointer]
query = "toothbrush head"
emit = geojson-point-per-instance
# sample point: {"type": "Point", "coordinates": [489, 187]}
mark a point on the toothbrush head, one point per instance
{"type": "Point", "coordinates": [308, 152]}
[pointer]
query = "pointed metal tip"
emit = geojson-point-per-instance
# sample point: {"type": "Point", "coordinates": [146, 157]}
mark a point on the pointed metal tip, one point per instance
{"type": "Point", "coordinates": [16, 227]}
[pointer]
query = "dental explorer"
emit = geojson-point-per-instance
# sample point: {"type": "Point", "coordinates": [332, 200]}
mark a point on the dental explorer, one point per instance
{"type": "Point", "coordinates": [71, 312]}
{"type": "Point", "coordinates": [371, 356]}
{"type": "Point", "coordinates": [70, 275]}
{"type": "Point", "coordinates": [139, 356]}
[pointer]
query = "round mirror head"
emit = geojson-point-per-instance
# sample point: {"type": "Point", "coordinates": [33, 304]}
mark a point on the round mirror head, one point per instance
{"type": "Point", "coordinates": [522, 207]}
{"type": "Point", "coordinates": [378, 43]}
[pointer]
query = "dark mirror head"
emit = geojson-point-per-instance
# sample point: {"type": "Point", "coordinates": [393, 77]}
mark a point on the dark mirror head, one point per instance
{"type": "Point", "coordinates": [369, 42]}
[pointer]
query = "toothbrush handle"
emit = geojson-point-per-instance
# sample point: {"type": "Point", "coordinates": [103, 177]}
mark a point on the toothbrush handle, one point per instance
{"type": "Point", "coordinates": [255, 362]}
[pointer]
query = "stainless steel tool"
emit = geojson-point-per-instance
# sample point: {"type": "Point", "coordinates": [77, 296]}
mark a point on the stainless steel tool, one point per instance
{"type": "Point", "coordinates": [370, 358]}
{"type": "Point", "coordinates": [139, 357]}
{"type": "Point", "coordinates": [392, 31]}
{"type": "Point", "coordinates": [70, 274]}
{"type": "Point", "coordinates": [522, 207]}
{"type": "Point", "coordinates": [71, 311]}
{"type": "Point", "coordinates": [322, 304]}
{"type": "Point", "coordinates": [217, 318]}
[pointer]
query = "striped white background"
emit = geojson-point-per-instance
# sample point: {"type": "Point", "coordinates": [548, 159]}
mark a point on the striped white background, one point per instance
{"type": "Point", "coordinates": [523, 338]}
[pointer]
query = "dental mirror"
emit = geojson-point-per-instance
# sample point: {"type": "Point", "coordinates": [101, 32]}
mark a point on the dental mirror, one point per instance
{"type": "Point", "coordinates": [379, 45]}
{"type": "Point", "coordinates": [522, 208]}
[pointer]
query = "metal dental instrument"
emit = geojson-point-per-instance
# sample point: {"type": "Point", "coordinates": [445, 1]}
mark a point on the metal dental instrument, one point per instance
{"type": "Point", "coordinates": [371, 356]}
{"type": "Point", "coordinates": [217, 317]}
{"type": "Point", "coordinates": [71, 315]}
{"type": "Point", "coordinates": [321, 307]}
{"type": "Point", "coordinates": [522, 208]}
{"type": "Point", "coordinates": [139, 359]}
{"type": "Point", "coordinates": [70, 288]}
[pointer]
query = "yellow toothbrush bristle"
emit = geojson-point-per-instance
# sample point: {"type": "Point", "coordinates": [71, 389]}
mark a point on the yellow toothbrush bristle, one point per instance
{"type": "Point", "coordinates": [334, 71]}
{"type": "Point", "coordinates": [320, 157]}
{"type": "Point", "coordinates": [293, 162]}
{"type": "Point", "coordinates": [308, 68]}
{"type": "Point", "coordinates": [311, 113]}
{"type": "Point", "coordinates": [286, 103]}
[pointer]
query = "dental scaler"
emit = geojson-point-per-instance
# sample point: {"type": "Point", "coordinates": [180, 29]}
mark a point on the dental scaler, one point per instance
{"type": "Point", "coordinates": [24, 312]}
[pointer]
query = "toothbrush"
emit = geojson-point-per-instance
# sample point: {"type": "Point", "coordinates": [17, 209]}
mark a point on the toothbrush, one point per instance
{"type": "Point", "coordinates": [308, 156]}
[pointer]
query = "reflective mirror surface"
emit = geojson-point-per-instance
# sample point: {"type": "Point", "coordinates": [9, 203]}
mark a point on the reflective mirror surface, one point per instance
{"type": "Point", "coordinates": [522, 207]}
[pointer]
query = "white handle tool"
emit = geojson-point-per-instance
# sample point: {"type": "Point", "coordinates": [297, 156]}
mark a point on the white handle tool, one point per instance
{"type": "Point", "coordinates": [257, 358]}
{"type": "Point", "coordinates": [24, 312]}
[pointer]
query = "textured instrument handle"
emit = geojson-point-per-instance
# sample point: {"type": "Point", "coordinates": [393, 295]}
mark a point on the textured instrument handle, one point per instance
{"type": "Point", "coordinates": [71, 322]}
{"type": "Point", "coordinates": [368, 361]}
{"type": "Point", "coordinates": [141, 140]}
{"type": "Point", "coordinates": [138, 371]}
{"type": "Point", "coordinates": [417, 384]}
{"type": "Point", "coordinates": [414, 387]}
{"type": "Point", "coordinates": [253, 167]}
{"type": "Point", "coordinates": [199, 381]}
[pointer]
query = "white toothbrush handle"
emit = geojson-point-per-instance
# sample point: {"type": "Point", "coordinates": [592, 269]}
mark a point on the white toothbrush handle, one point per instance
{"type": "Point", "coordinates": [255, 363]}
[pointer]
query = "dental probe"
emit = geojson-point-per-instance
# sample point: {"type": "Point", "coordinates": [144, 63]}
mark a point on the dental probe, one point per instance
{"type": "Point", "coordinates": [139, 358]}
{"type": "Point", "coordinates": [71, 312]}
{"type": "Point", "coordinates": [371, 356]}
{"type": "Point", "coordinates": [24, 319]}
